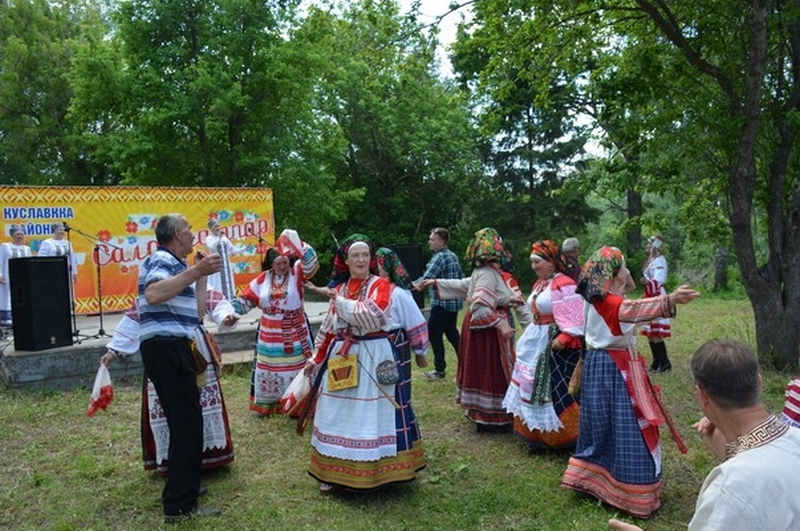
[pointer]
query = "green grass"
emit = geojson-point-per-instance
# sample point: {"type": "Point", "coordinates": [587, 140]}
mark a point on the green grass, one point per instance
{"type": "Point", "coordinates": [64, 471]}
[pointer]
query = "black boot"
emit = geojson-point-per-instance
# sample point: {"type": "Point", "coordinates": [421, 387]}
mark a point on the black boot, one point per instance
{"type": "Point", "coordinates": [656, 356]}
{"type": "Point", "coordinates": [664, 364]}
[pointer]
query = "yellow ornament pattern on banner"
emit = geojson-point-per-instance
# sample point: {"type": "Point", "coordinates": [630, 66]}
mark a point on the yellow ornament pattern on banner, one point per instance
{"type": "Point", "coordinates": [111, 230]}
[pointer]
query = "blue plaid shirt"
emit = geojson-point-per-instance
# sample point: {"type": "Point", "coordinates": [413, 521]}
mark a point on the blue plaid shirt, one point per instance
{"type": "Point", "coordinates": [444, 264]}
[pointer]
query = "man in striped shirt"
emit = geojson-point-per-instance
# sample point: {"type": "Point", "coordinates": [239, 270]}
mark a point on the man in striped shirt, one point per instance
{"type": "Point", "coordinates": [170, 311]}
{"type": "Point", "coordinates": [443, 318]}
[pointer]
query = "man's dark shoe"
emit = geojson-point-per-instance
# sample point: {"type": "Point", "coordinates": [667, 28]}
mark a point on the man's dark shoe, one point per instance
{"type": "Point", "coordinates": [433, 376]}
{"type": "Point", "coordinates": [202, 491]}
{"type": "Point", "coordinates": [197, 512]}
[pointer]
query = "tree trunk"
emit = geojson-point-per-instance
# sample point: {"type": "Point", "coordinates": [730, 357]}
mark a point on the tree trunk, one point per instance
{"type": "Point", "coordinates": [775, 296]}
{"type": "Point", "coordinates": [721, 269]}
{"type": "Point", "coordinates": [777, 335]}
{"type": "Point", "coordinates": [634, 205]}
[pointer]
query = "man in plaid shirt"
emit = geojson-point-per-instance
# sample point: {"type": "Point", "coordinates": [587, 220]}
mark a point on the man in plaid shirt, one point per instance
{"type": "Point", "coordinates": [444, 313]}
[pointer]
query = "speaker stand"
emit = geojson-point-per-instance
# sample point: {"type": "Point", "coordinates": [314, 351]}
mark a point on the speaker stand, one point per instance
{"type": "Point", "coordinates": [100, 333]}
{"type": "Point", "coordinates": [76, 334]}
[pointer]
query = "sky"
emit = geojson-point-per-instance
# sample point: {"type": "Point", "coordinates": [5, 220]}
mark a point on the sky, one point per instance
{"type": "Point", "coordinates": [429, 10]}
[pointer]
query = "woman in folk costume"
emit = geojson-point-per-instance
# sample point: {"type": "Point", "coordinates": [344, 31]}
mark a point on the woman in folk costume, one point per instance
{"type": "Point", "coordinates": [16, 248]}
{"type": "Point", "coordinates": [791, 408]}
{"type": "Point", "coordinates": [284, 336]}
{"type": "Point", "coordinates": [486, 349]}
{"type": "Point", "coordinates": [545, 414]}
{"type": "Point", "coordinates": [365, 434]}
{"type": "Point", "coordinates": [654, 276]}
{"type": "Point", "coordinates": [618, 455]}
{"type": "Point", "coordinates": [409, 327]}
{"type": "Point", "coordinates": [59, 245]}
{"type": "Point", "coordinates": [217, 442]}
{"type": "Point", "coordinates": [218, 242]}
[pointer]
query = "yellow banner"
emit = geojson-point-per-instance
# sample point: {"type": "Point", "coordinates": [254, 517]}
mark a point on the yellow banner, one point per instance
{"type": "Point", "coordinates": [111, 230]}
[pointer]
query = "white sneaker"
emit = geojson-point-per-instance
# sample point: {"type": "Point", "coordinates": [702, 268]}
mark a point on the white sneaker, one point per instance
{"type": "Point", "coordinates": [433, 376]}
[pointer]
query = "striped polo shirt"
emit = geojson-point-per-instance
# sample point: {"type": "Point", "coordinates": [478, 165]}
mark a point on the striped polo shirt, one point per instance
{"type": "Point", "coordinates": [176, 317]}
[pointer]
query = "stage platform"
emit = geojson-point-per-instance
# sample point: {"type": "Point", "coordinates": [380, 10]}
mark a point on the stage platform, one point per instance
{"type": "Point", "coordinates": [66, 368]}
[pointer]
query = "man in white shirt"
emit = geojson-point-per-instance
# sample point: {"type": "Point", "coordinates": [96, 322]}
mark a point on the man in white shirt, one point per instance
{"type": "Point", "coordinates": [755, 485]}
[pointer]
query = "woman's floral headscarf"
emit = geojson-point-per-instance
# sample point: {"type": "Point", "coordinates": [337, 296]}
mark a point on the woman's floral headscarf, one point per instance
{"type": "Point", "coordinates": [549, 251]}
{"type": "Point", "coordinates": [598, 272]}
{"type": "Point", "coordinates": [391, 263]}
{"type": "Point", "coordinates": [487, 246]}
{"type": "Point", "coordinates": [340, 271]}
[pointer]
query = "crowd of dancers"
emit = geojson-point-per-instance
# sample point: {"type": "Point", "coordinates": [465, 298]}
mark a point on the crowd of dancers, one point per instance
{"type": "Point", "coordinates": [573, 381]}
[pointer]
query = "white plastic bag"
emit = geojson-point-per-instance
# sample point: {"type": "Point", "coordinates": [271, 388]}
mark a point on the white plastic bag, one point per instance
{"type": "Point", "coordinates": [102, 392]}
{"type": "Point", "coordinates": [296, 393]}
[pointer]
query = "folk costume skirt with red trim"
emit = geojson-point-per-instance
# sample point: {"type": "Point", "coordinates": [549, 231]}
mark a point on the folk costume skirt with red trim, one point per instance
{"type": "Point", "coordinates": [562, 365]}
{"type": "Point", "coordinates": [217, 442]}
{"type": "Point", "coordinates": [283, 346]}
{"type": "Point", "coordinates": [397, 464]}
{"type": "Point", "coordinates": [613, 460]}
{"type": "Point", "coordinates": [484, 370]}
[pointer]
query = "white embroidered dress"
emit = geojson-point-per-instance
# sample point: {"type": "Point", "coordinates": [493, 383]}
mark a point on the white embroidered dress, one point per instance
{"type": "Point", "coordinates": [565, 308]}
{"type": "Point", "coordinates": [358, 423]}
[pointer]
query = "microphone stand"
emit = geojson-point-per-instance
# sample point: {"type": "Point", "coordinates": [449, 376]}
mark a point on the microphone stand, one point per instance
{"type": "Point", "coordinates": [70, 279]}
{"type": "Point", "coordinates": [261, 252]}
{"type": "Point", "coordinates": [96, 242]}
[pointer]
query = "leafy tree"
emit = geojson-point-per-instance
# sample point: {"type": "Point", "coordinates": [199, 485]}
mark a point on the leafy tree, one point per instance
{"type": "Point", "coordinates": [37, 42]}
{"type": "Point", "coordinates": [525, 105]}
{"type": "Point", "coordinates": [719, 119]}
{"type": "Point", "coordinates": [206, 87]}
{"type": "Point", "coordinates": [735, 132]}
{"type": "Point", "coordinates": [198, 93]}
{"type": "Point", "coordinates": [407, 142]}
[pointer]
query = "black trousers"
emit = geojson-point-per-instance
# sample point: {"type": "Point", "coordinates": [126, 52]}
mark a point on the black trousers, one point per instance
{"type": "Point", "coordinates": [169, 364]}
{"type": "Point", "coordinates": [442, 322]}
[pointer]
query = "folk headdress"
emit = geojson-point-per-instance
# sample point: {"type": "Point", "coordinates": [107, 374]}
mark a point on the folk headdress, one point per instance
{"type": "Point", "coordinates": [340, 271]}
{"type": "Point", "coordinates": [289, 244]}
{"type": "Point", "coordinates": [487, 246]}
{"type": "Point", "coordinates": [390, 262]}
{"type": "Point", "coordinates": [548, 250]}
{"type": "Point", "coordinates": [656, 241]}
{"type": "Point", "coordinates": [598, 273]}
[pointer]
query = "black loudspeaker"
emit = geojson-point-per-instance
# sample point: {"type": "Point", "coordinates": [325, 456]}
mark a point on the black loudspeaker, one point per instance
{"type": "Point", "coordinates": [411, 256]}
{"type": "Point", "coordinates": [40, 302]}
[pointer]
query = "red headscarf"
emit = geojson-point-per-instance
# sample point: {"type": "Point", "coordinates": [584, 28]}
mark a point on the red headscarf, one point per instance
{"type": "Point", "coordinates": [548, 250]}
